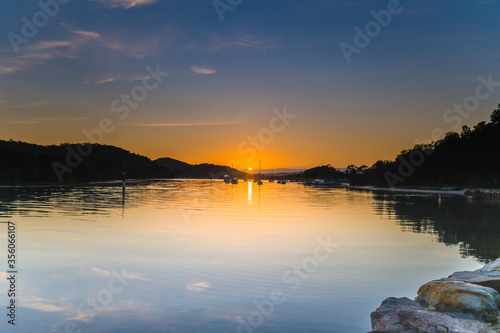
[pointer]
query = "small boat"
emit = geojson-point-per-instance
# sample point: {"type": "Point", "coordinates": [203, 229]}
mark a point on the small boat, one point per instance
{"type": "Point", "coordinates": [271, 180]}
{"type": "Point", "coordinates": [234, 181]}
{"type": "Point", "coordinates": [259, 182]}
{"type": "Point", "coordinates": [227, 179]}
{"type": "Point", "coordinates": [282, 182]}
{"type": "Point", "coordinates": [324, 183]}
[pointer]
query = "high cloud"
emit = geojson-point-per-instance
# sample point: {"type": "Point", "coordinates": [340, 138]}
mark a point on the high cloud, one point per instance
{"type": "Point", "coordinates": [126, 3]}
{"type": "Point", "coordinates": [110, 79]}
{"type": "Point", "coordinates": [87, 34]}
{"type": "Point", "coordinates": [203, 70]}
{"type": "Point", "coordinates": [186, 124]}
{"type": "Point", "coordinates": [217, 43]}
{"type": "Point", "coordinates": [77, 43]}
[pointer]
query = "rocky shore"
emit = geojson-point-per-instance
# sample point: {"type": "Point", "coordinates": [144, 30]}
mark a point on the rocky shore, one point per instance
{"type": "Point", "coordinates": [482, 193]}
{"type": "Point", "coordinates": [464, 302]}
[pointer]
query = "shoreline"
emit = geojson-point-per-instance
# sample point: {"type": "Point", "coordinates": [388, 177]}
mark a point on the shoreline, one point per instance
{"type": "Point", "coordinates": [408, 190]}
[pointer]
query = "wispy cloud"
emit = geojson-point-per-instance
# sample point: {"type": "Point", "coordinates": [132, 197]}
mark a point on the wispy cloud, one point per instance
{"type": "Point", "coordinates": [33, 104]}
{"type": "Point", "coordinates": [50, 44]}
{"type": "Point", "coordinates": [125, 3]}
{"type": "Point", "coordinates": [109, 79]}
{"type": "Point", "coordinates": [9, 69]}
{"type": "Point", "coordinates": [77, 43]}
{"type": "Point", "coordinates": [40, 304]}
{"type": "Point", "coordinates": [87, 34]}
{"type": "Point", "coordinates": [218, 43]}
{"type": "Point", "coordinates": [203, 70]}
{"type": "Point", "coordinates": [117, 78]}
{"type": "Point", "coordinates": [19, 122]}
{"type": "Point", "coordinates": [138, 78]}
{"type": "Point", "coordinates": [215, 123]}
{"type": "Point", "coordinates": [36, 52]}
{"type": "Point", "coordinates": [132, 48]}
{"type": "Point", "coordinates": [30, 121]}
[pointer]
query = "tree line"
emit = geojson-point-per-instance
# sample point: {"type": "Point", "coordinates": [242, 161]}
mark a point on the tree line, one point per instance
{"type": "Point", "coordinates": [469, 158]}
{"type": "Point", "coordinates": [25, 163]}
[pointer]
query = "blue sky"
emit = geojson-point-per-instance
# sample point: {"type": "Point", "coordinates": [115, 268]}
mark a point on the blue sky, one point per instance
{"type": "Point", "coordinates": [225, 77]}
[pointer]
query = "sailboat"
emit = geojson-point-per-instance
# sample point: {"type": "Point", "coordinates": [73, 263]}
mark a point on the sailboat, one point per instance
{"type": "Point", "coordinates": [234, 180]}
{"type": "Point", "coordinates": [259, 182]}
{"type": "Point", "coordinates": [271, 180]}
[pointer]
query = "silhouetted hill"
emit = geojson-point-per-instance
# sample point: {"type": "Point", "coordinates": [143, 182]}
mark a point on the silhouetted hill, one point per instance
{"type": "Point", "coordinates": [22, 163]}
{"type": "Point", "coordinates": [172, 163]}
{"type": "Point", "coordinates": [205, 171]}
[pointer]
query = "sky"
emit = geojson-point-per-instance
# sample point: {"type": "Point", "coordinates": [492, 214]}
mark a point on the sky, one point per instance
{"type": "Point", "coordinates": [293, 83]}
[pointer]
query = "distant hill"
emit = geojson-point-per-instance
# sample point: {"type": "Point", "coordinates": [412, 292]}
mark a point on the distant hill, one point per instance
{"type": "Point", "coordinates": [184, 170]}
{"type": "Point", "coordinates": [281, 171]}
{"type": "Point", "coordinates": [26, 163]}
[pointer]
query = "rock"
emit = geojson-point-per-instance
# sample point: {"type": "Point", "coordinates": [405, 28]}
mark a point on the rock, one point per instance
{"type": "Point", "coordinates": [463, 302]}
{"type": "Point", "coordinates": [461, 297]}
{"type": "Point", "coordinates": [493, 266]}
{"type": "Point", "coordinates": [488, 276]}
{"type": "Point", "coordinates": [402, 315]}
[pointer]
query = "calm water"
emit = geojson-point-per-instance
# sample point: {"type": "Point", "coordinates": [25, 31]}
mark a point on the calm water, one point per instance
{"type": "Point", "coordinates": [202, 256]}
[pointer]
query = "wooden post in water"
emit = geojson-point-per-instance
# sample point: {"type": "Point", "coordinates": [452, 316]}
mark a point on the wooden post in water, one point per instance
{"type": "Point", "coordinates": [124, 181]}
{"type": "Point", "coordinates": [124, 175]}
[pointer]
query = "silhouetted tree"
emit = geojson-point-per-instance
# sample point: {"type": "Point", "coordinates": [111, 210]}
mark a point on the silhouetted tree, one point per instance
{"type": "Point", "coordinates": [495, 116]}
{"type": "Point", "coordinates": [469, 158]}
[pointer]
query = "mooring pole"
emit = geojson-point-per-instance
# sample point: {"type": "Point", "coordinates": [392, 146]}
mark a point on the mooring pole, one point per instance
{"type": "Point", "coordinates": [124, 174]}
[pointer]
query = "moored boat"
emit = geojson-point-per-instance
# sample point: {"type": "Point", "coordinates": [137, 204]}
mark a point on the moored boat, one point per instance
{"type": "Point", "coordinates": [259, 182]}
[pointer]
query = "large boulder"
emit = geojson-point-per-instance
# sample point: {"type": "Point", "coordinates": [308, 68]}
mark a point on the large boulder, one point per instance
{"type": "Point", "coordinates": [488, 276]}
{"type": "Point", "coordinates": [461, 297]}
{"type": "Point", "coordinates": [402, 315]}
